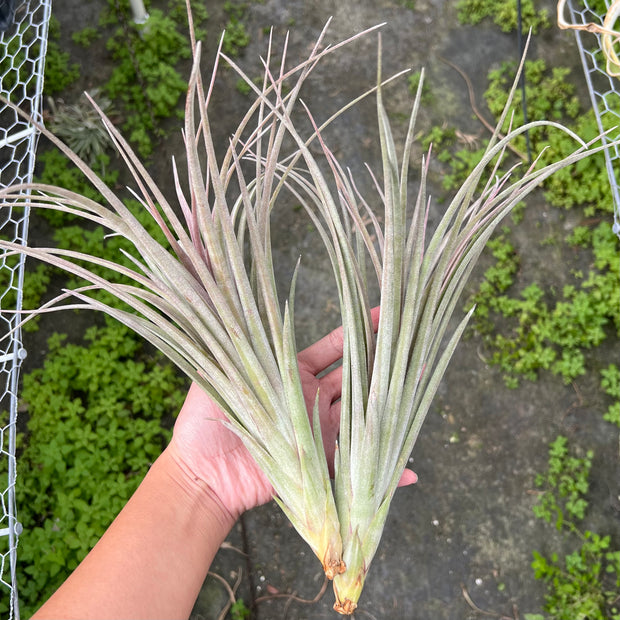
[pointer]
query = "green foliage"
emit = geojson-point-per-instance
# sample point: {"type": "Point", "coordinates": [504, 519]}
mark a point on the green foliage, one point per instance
{"type": "Point", "coordinates": [243, 87]}
{"type": "Point", "coordinates": [503, 13]}
{"type": "Point", "coordinates": [585, 583]}
{"type": "Point", "coordinates": [86, 36]}
{"type": "Point", "coordinates": [60, 73]}
{"type": "Point", "coordinates": [587, 184]}
{"type": "Point", "coordinates": [34, 287]}
{"type": "Point", "coordinates": [565, 485]}
{"type": "Point", "coordinates": [94, 427]}
{"type": "Point", "coordinates": [239, 610]}
{"type": "Point", "coordinates": [545, 330]}
{"type": "Point", "coordinates": [177, 11]}
{"type": "Point", "coordinates": [548, 329]}
{"type": "Point", "coordinates": [413, 82]}
{"type": "Point", "coordinates": [462, 162]}
{"type": "Point", "coordinates": [496, 280]}
{"type": "Point", "coordinates": [236, 36]}
{"type": "Point", "coordinates": [144, 79]}
{"type": "Point", "coordinates": [442, 139]}
{"type": "Point", "coordinates": [610, 383]}
{"type": "Point", "coordinates": [548, 94]}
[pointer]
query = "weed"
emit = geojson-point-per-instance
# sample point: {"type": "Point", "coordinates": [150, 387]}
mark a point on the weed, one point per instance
{"type": "Point", "coordinates": [549, 330]}
{"type": "Point", "coordinates": [144, 79]}
{"type": "Point", "coordinates": [239, 610]}
{"type": "Point", "coordinates": [503, 13]}
{"type": "Point", "coordinates": [610, 383]}
{"type": "Point", "coordinates": [585, 583]}
{"type": "Point", "coordinates": [80, 126]}
{"type": "Point", "coordinates": [86, 36]}
{"type": "Point", "coordinates": [60, 73]}
{"type": "Point", "coordinates": [243, 87]}
{"type": "Point", "coordinates": [236, 36]}
{"type": "Point", "coordinates": [414, 81]}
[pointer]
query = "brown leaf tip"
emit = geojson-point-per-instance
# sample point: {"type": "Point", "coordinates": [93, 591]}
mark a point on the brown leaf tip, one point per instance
{"type": "Point", "coordinates": [346, 608]}
{"type": "Point", "coordinates": [333, 568]}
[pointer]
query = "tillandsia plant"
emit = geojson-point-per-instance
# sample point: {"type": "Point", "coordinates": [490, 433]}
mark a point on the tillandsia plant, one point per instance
{"type": "Point", "coordinates": [209, 299]}
{"type": "Point", "coordinates": [390, 379]}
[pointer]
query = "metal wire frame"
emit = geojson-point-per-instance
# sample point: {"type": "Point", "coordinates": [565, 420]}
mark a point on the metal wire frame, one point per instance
{"type": "Point", "coordinates": [604, 90]}
{"type": "Point", "coordinates": [23, 45]}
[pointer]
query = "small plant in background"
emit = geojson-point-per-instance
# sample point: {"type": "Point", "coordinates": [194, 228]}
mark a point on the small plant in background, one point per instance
{"type": "Point", "coordinates": [547, 329]}
{"type": "Point", "coordinates": [414, 81]}
{"type": "Point", "coordinates": [59, 71]}
{"type": "Point", "coordinates": [565, 485]}
{"type": "Point", "coordinates": [80, 126]}
{"type": "Point", "coordinates": [236, 36]}
{"type": "Point", "coordinates": [503, 13]}
{"type": "Point", "coordinates": [583, 584]}
{"type": "Point", "coordinates": [610, 383]}
{"type": "Point", "coordinates": [144, 78]}
{"type": "Point", "coordinates": [495, 281]}
{"type": "Point", "coordinates": [145, 84]}
{"type": "Point", "coordinates": [86, 36]}
{"type": "Point", "coordinates": [240, 611]}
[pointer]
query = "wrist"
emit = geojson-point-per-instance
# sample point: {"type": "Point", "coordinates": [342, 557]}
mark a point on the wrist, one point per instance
{"type": "Point", "coordinates": [195, 491]}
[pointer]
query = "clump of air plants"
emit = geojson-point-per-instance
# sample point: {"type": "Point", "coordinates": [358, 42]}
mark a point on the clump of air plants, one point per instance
{"type": "Point", "coordinates": [208, 300]}
{"type": "Point", "coordinates": [79, 125]}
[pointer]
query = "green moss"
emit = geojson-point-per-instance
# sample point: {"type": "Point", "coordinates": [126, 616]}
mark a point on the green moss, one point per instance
{"type": "Point", "coordinates": [503, 13]}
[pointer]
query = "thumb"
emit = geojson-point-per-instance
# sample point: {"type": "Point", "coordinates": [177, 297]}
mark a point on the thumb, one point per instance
{"type": "Point", "coordinates": [408, 477]}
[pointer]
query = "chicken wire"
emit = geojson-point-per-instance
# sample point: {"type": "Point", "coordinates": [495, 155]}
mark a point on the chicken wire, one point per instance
{"type": "Point", "coordinates": [23, 42]}
{"type": "Point", "coordinates": [604, 90]}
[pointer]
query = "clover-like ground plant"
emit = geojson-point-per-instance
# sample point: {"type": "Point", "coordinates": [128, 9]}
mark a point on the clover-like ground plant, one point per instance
{"type": "Point", "coordinates": [208, 298]}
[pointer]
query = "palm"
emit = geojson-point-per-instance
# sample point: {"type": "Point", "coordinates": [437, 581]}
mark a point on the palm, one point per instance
{"type": "Point", "coordinates": [210, 451]}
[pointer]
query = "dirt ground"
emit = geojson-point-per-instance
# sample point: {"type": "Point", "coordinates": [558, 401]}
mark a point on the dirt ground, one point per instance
{"type": "Point", "coordinates": [462, 538]}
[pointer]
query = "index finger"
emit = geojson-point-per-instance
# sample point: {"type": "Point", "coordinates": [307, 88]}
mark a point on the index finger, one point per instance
{"type": "Point", "coordinates": [324, 352]}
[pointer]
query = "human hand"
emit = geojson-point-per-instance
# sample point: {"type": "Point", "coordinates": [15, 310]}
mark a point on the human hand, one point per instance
{"type": "Point", "coordinates": [207, 450]}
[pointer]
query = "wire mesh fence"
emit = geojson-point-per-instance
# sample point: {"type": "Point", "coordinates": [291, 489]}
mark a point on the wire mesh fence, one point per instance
{"type": "Point", "coordinates": [604, 89]}
{"type": "Point", "coordinates": [23, 39]}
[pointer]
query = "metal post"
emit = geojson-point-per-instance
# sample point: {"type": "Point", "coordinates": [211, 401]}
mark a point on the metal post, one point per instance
{"type": "Point", "coordinates": [139, 12]}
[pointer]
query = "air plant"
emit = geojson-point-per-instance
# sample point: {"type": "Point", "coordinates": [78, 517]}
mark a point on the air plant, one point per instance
{"type": "Point", "coordinates": [209, 302]}
{"type": "Point", "coordinates": [80, 126]}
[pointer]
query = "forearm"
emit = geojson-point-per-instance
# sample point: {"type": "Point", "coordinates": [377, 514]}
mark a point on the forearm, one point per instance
{"type": "Point", "coordinates": [153, 559]}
